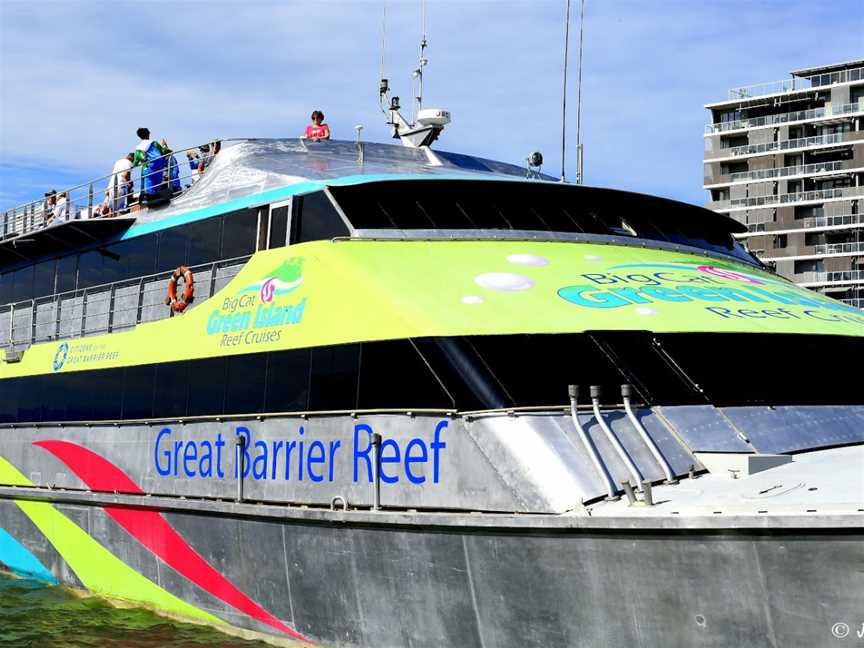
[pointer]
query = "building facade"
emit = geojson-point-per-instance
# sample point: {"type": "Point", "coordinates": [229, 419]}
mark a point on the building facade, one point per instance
{"type": "Point", "coordinates": [787, 159]}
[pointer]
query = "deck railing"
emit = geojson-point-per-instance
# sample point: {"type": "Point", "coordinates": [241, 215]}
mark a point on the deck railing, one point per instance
{"type": "Point", "coordinates": [105, 196]}
{"type": "Point", "coordinates": [105, 308]}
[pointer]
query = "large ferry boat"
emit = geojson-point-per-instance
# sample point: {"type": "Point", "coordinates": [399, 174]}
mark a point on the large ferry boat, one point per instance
{"type": "Point", "coordinates": [405, 397]}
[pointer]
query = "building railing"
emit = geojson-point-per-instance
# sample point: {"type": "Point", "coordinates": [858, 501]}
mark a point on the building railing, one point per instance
{"type": "Point", "coordinates": [836, 220]}
{"type": "Point", "coordinates": [838, 276]}
{"type": "Point", "coordinates": [783, 118]}
{"type": "Point", "coordinates": [839, 248]}
{"type": "Point", "coordinates": [105, 308]}
{"type": "Point", "coordinates": [787, 198]}
{"type": "Point", "coordinates": [797, 83]}
{"type": "Point", "coordinates": [86, 201]}
{"type": "Point", "coordinates": [783, 145]}
{"type": "Point", "coordinates": [785, 172]}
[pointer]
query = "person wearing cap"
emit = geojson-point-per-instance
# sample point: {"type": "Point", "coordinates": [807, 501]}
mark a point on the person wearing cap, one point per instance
{"type": "Point", "coordinates": [150, 155]}
{"type": "Point", "coordinates": [46, 212]}
{"type": "Point", "coordinates": [317, 130]}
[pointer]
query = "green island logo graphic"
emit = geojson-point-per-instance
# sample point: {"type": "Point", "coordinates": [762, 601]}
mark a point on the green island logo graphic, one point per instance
{"type": "Point", "coordinates": [281, 281]}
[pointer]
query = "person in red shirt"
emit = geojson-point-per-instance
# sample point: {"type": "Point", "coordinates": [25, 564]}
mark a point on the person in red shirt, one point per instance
{"type": "Point", "coordinates": [317, 130]}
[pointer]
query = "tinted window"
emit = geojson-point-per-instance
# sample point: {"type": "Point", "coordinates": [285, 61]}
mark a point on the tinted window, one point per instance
{"type": "Point", "coordinates": [138, 392]}
{"type": "Point", "coordinates": [22, 286]}
{"type": "Point", "coordinates": [278, 227]}
{"type": "Point", "coordinates": [207, 387]}
{"type": "Point", "coordinates": [171, 388]}
{"type": "Point", "coordinates": [393, 374]}
{"type": "Point", "coordinates": [172, 249]}
{"type": "Point", "coordinates": [133, 258]}
{"type": "Point", "coordinates": [334, 377]}
{"type": "Point", "coordinates": [43, 278]}
{"type": "Point", "coordinates": [66, 273]}
{"type": "Point", "coordinates": [240, 231]}
{"type": "Point", "coordinates": [6, 281]}
{"type": "Point", "coordinates": [244, 387]}
{"type": "Point", "coordinates": [90, 269]}
{"type": "Point", "coordinates": [318, 219]}
{"type": "Point", "coordinates": [204, 239]}
{"type": "Point", "coordinates": [288, 381]}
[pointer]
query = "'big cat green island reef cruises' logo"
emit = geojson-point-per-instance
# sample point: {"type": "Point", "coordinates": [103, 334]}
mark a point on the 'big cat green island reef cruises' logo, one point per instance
{"type": "Point", "coordinates": [725, 293]}
{"type": "Point", "coordinates": [257, 314]}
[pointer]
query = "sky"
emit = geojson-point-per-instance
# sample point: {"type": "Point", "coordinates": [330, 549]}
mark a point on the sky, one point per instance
{"type": "Point", "coordinates": [77, 78]}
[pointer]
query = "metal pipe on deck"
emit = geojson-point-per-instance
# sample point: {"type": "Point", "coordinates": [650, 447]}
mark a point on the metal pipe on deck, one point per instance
{"type": "Point", "coordinates": [626, 393]}
{"type": "Point", "coordinates": [619, 449]}
{"type": "Point", "coordinates": [376, 471]}
{"type": "Point", "coordinates": [590, 448]}
{"type": "Point", "coordinates": [240, 447]}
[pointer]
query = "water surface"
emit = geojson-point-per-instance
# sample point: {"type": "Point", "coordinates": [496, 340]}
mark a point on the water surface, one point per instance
{"type": "Point", "coordinates": [34, 615]}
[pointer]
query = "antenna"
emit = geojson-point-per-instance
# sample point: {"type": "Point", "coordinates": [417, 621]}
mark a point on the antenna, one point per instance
{"type": "Point", "coordinates": [564, 94]}
{"type": "Point", "coordinates": [579, 150]}
{"type": "Point", "coordinates": [418, 73]}
{"type": "Point", "coordinates": [580, 156]}
{"type": "Point", "coordinates": [426, 124]}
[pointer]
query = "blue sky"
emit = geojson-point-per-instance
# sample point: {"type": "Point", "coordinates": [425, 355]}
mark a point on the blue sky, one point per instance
{"type": "Point", "coordinates": [77, 78]}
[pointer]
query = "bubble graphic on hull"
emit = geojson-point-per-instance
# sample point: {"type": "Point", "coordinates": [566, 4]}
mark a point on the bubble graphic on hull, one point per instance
{"type": "Point", "coordinates": [503, 281]}
{"type": "Point", "coordinates": [644, 310]}
{"type": "Point", "coordinates": [528, 259]}
{"type": "Point", "coordinates": [593, 257]}
{"type": "Point", "coordinates": [472, 299]}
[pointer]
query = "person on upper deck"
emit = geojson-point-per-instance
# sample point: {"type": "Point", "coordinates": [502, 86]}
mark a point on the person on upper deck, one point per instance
{"type": "Point", "coordinates": [119, 187]}
{"type": "Point", "coordinates": [64, 210]}
{"type": "Point", "coordinates": [151, 156]}
{"type": "Point", "coordinates": [317, 130]}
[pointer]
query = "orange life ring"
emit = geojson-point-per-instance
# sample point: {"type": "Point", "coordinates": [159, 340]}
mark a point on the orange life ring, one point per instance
{"type": "Point", "coordinates": [179, 305]}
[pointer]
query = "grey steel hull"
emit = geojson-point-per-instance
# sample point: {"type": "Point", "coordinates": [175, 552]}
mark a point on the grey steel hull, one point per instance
{"type": "Point", "coordinates": [526, 581]}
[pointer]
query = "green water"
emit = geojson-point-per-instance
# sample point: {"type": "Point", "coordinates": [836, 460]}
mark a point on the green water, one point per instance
{"type": "Point", "coordinates": [33, 615]}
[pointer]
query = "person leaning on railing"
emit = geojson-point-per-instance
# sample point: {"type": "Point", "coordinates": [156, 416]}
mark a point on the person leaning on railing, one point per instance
{"type": "Point", "coordinates": [119, 188]}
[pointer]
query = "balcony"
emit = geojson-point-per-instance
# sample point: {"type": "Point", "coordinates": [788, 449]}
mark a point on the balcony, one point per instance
{"type": "Point", "coordinates": [812, 223]}
{"type": "Point", "coordinates": [836, 277]}
{"type": "Point", "coordinates": [797, 83]}
{"type": "Point", "coordinates": [772, 200]}
{"type": "Point", "coordinates": [785, 118]}
{"type": "Point", "coordinates": [838, 248]}
{"type": "Point", "coordinates": [786, 172]}
{"type": "Point", "coordinates": [784, 145]}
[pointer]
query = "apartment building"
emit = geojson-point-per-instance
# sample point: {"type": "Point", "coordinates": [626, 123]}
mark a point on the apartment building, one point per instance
{"type": "Point", "coordinates": [786, 158]}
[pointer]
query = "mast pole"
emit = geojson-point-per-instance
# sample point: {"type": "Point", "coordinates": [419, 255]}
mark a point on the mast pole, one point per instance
{"type": "Point", "coordinates": [564, 94]}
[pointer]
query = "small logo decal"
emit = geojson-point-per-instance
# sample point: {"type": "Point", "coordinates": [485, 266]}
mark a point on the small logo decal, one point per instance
{"type": "Point", "coordinates": [60, 356]}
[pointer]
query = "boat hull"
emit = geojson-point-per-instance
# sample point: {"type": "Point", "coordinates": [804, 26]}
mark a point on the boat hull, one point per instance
{"type": "Point", "coordinates": [424, 579]}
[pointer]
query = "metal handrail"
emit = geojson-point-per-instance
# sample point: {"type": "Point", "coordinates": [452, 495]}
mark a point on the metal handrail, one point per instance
{"type": "Point", "coordinates": [36, 215]}
{"type": "Point", "coordinates": [783, 172]}
{"type": "Point", "coordinates": [784, 145]}
{"type": "Point", "coordinates": [60, 327]}
{"type": "Point", "coordinates": [784, 118]}
{"type": "Point", "coordinates": [782, 199]}
{"type": "Point", "coordinates": [797, 83]}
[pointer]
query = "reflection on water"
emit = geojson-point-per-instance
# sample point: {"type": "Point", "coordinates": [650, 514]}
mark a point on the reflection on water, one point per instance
{"type": "Point", "coordinates": [33, 615]}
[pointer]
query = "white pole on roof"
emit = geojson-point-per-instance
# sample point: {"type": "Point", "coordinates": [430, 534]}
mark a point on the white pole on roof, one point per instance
{"type": "Point", "coordinates": [580, 157]}
{"type": "Point", "coordinates": [564, 94]}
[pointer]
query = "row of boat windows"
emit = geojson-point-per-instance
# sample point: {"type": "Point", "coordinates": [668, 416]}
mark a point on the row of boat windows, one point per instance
{"type": "Point", "coordinates": [493, 205]}
{"type": "Point", "coordinates": [458, 373]}
{"type": "Point", "coordinates": [229, 236]}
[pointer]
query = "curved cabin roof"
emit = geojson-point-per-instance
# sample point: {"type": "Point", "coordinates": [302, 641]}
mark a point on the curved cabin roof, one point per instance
{"type": "Point", "coordinates": [256, 171]}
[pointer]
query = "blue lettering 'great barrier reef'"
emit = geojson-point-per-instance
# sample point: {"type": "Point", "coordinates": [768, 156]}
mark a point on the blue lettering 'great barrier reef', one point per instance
{"type": "Point", "coordinates": [300, 457]}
